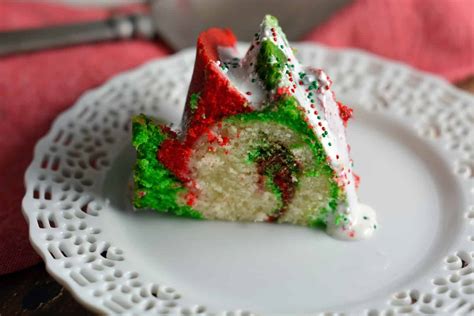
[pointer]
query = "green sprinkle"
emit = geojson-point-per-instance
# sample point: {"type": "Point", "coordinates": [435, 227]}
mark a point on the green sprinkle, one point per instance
{"type": "Point", "coordinates": [194, 101]}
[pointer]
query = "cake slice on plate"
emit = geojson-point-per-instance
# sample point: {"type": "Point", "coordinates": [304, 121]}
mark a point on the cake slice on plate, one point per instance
{"type": "Point", "coordinates": [262, 139]}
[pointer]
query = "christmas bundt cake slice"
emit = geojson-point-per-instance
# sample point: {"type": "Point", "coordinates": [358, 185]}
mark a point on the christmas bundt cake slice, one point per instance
{"type": "Point", "coordinates": [262, 139]}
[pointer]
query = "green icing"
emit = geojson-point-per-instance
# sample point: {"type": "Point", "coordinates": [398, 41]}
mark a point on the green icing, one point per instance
{"type": "Point", "coordinates": [155, 186]}
{"type": "Point", "coordinates": [194, 100]}
{"type": "Point", "coordinates": [286, 111]}
{"type": "Point", "coordinates": [270, 64]}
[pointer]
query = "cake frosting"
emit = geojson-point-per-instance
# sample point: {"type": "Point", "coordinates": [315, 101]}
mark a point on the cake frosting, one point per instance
{"type": "Point", "coordinates": [223, 89]}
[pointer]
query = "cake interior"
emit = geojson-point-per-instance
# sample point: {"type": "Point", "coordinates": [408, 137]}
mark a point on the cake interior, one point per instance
{"type": "Point", "coordinates": [260, 166]}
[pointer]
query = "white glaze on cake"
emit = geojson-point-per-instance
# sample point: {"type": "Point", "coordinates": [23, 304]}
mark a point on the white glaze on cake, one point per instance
{"type": "Point", "coordinates": [364, 227]}
{"type": "Point", "coordinates": [312, 89]}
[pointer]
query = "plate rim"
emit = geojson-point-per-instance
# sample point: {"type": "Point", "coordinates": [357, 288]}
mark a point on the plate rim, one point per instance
{"type": "Point", "coordinates": [36, 242]}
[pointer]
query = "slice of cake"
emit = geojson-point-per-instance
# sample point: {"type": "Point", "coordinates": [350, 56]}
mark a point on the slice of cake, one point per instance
{"type": "Point", "coordinates": [262, 139]}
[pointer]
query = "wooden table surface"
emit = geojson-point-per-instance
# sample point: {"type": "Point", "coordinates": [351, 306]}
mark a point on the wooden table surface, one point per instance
{"type": "Point", "coordinates": [33, 292]}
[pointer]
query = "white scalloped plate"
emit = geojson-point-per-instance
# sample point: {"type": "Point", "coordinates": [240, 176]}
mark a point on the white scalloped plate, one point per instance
{"type": "Point", "coordinates": [412, 139]}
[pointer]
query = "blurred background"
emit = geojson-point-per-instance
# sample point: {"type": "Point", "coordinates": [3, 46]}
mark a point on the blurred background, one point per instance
{"type": "Point", "coordinates": [52, 51]}
{"type": "Point", "coordinates": [241, 16]}
{"type": "Point", "coordinates": [176, 22]}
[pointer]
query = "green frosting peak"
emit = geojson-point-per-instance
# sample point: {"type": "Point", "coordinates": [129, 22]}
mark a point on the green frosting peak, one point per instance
{"type": "Point", "coordinates": [270, 64]}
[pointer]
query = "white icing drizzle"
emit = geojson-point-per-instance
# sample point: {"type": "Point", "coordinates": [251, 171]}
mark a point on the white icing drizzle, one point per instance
{"type": "Point", "coordinates": [362, 228]}
{"type": "Point", "coordinates": [245, 81]}
{"type": "Point", "coordinates": [311, 88]}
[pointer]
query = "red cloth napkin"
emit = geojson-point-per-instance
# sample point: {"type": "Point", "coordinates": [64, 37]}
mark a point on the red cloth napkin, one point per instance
{"type": "Point", "coordinates": [34, 88]}
{"type": "Point", "coordinates": [432, 35]}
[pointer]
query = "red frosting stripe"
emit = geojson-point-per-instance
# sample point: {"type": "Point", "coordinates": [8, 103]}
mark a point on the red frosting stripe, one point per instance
{"type": "Point", "coordinates": [217, 100]}
{"type": "Point", "coordinates": [217, 97]}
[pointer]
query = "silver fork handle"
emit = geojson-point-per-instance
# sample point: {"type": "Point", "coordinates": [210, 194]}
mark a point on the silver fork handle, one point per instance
{"type": "Point", "coordinates": [120, 27]}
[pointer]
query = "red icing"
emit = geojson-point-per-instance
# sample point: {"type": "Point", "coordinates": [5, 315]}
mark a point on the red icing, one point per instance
{"type": "Point", "coordinates": [345, 112]}
{"type": "Point", "coordinates": [217, 99]}
{"type": "Point", "coordinates": [174, 156]}
{"type": "Point", "coordinates": [190, 198]}
{"type": "Point", "coordinates": [283, 91]}
{"type": "Point", "coordinates": [356, 180]}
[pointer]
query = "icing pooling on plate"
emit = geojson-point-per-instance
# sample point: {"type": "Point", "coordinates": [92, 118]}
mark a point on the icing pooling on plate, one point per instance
{"type": "Point", "coordinates": [363, 226]}
{"type": "Point", "coordinates": [311, 88]}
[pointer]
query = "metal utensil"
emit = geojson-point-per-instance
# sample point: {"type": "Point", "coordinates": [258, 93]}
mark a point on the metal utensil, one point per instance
{"type": "Point", "coordinates": [115, 28]}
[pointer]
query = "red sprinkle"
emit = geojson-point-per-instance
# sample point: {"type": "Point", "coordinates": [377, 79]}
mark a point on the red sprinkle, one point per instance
{"type": "Point", "coordinates": [357, 180]}
{"type": "Point", "coordinates": [345, 112]}
{"type": "Point", "coordinates": [190, 198]}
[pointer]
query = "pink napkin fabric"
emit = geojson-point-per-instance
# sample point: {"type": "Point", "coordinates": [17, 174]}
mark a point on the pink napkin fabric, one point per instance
{"type": "Point", "coordinates": [434, 35]}
{"type": "Point", "coordinates": [34, 89]}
